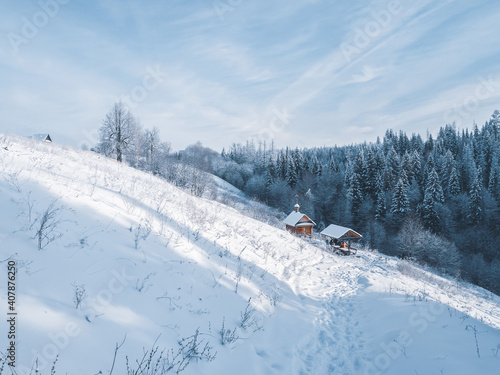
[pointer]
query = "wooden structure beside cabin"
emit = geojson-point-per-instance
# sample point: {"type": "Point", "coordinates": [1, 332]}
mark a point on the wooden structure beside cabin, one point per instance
{"type": "Point", "coordinates": [340, 238]}
{"type": "Point", "coordinates": [299, 223]}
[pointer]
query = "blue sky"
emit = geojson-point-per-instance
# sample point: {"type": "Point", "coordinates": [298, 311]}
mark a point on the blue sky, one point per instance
{"type": "Point", "coordinates": [304, 73]}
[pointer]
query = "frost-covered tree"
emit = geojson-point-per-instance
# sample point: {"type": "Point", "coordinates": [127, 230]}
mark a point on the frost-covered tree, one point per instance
{"type": "Point", "coordinates": [429, 166]}
{"type": "Point", "coordinates": [115, 131]}
{"type": "Point", "coordinates": [298, 160]}
{"type": "Point", "coordinates": [392, 165]}
{"type": "Point", "coordinates": [430, 217]}
{"type": "Point", "coordinates": [291, 173]}
{"type": "Point", "coordinates": [400, 203]}
{"type": "Point", "coordinates": [381, 208]}
{"type": "Point", "coordinates": [433, 187]}
{"type": "Point", "coordinates": [469, 168]}
{"type": "Point", "coordinates": [135, 147]}
{"type": "Point", "coordinates": [448, 165]}
{"type": "Point", "coordinates": [453, 188]}
{"type": "Point", "coordinates": [152, 149]}
{"type": "Point", "coordinates": [475, 202]}
{"type": "Point", "coordinates": [406, 165]}
{"type": "Point", "coordinates": [333, 165]}
{"type": "Point", "coordinates": [355, 197]}
{"type": "Point", "coordinates": [416, 167]}
{"type": "Point", "coordinates": [316, 169]}
{"type": "Point", "coordinates": [494, 180]}
{"type": "Point", "coordinates": [410, 238]}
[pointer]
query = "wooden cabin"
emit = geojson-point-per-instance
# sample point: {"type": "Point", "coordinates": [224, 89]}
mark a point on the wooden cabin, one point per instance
{"type": "Point", "coordinates": [340, 238]}
{"type": "Point", "coordinates": [299, 223]}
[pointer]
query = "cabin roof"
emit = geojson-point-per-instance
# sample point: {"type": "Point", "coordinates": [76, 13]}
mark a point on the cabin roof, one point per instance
{"type": "Point", "coordinates": [41, 137]}
{"type": "Point", "coordinates": [336, 231]}
{"type": "Point", "coordinates": [294, 218]}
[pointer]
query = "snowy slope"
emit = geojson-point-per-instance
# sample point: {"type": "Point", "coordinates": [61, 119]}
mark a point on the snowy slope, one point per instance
{"type": "Point", "coordinates": [237, 199]}
{"type": "Point", "coordinates": [158, 264]}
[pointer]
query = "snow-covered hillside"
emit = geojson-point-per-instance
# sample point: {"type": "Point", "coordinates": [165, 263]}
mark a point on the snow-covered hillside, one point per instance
{"type": "Point", "coordinates": [162, 269]}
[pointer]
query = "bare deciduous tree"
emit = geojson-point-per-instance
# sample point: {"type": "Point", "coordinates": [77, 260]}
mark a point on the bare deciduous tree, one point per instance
{"type": "Point", "coordinates": [152, 149]}
{"type": "Point", "coordinates": [116, 131]}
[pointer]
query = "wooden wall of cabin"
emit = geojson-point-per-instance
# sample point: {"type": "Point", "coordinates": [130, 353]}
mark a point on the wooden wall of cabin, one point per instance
{"type": "Point", "coordinates": [300, 230]}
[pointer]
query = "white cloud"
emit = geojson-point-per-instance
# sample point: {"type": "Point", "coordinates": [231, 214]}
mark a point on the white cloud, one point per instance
{"type": "Point", "coordinates": [368, 73]}
{"type": "Point", "coordinates": [225, 78]}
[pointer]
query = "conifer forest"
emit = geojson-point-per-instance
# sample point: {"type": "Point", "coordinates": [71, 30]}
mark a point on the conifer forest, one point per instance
{"type": "Point", "coordinates": [434, 200]}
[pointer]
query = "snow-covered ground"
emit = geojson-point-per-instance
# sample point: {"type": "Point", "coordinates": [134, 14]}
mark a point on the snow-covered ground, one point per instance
{"type": "Point", "coordinates": [158, 265]}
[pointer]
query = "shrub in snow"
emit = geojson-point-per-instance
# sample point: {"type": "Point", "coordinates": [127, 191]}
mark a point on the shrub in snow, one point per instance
{"type": "Point", "coordinates": [141, 232]}
{"type": "Point", "coordinates": [144, 285]}
{"type": "Point", "coordinates": [156, 362]}
{"type": "Point", "coordinates": [27, 205]}
{"type": "Point", "coordinates": [474, 330]}
{"type": "Point", "coordinates": [273, 295]}
{"type": "Point", "coordinates": [13, 182]}
{"type": "Point", "coordinates": [46, 227]}
{"type": "Point", "coordinates": [79, 294]}
{"type": "Point", "coordinates": [247, 317]}
{"type": "Point", "coordinates": [193, 349]}
{"type": "Point", "coordinates": [226, 335]}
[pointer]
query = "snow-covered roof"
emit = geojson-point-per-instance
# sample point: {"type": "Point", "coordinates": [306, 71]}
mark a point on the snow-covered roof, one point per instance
{"type": "Point", "coordinates": [295, 217]}
{"type": "Point", "coordinates": [41, 137]}
{"type": "Point", "coordinates": [336, 231]}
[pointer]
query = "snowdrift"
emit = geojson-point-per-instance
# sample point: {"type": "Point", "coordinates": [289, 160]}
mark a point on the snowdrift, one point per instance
{"type": "Point", "coordinates": [117, 269]}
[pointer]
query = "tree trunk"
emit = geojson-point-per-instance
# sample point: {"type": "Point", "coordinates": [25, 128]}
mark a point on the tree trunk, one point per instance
{"type": "Point", "coordinates": [118, 154]}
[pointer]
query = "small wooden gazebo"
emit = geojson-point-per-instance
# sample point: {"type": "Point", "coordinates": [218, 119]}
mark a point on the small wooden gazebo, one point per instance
{"type": "Point", "coordinates": [340, 238]}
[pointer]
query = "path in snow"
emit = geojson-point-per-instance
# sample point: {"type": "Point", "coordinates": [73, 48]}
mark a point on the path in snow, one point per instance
{"type": "Point", "coordinates": [335, 347]}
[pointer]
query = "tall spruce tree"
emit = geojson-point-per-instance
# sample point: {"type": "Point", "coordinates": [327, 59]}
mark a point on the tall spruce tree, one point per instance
{"type": "Point", "coordinates": [475, 202]}
{"type": "Point", "coordinates": [416, 167]}
{"type": "Point", "coordinates": [381, 208]}
{"type": "Point", "coordinates": [333, 165]}
{"type": "Point", "coordinates": [453, 188]}
{"type": "Point", "coordinates": [400, 202]}
{"type": "Point", "coordinates": [494, 180]}
{"type": "Point", "coordinates": [291, 173]}
{"type": "Point", "coordinates": [355, 197]}
{"type": "Point", "coordinates": [433, 187]}
{"type": "Point", "coordinates": [428, 212]}
{"type": "Point", "coordinates": [392, 165]}
{"type": "Point", "coordinates": [370, 173]}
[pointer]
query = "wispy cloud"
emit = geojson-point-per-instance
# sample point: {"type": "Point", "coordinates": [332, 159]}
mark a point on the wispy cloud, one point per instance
{"type": "Point", "coordinates": [351, 69]}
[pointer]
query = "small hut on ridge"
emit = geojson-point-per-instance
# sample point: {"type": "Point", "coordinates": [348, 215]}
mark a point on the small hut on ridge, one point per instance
{"type": "Point", "coordinates": [299, 223]}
